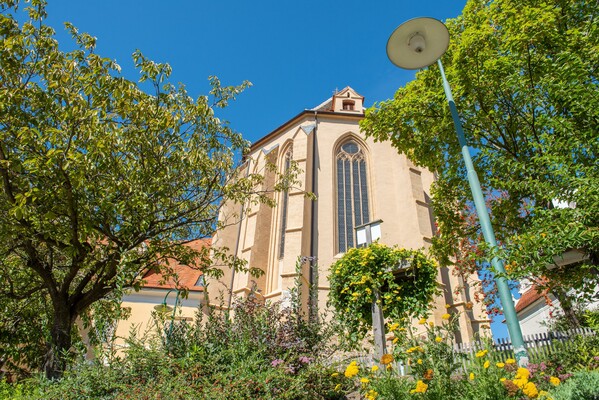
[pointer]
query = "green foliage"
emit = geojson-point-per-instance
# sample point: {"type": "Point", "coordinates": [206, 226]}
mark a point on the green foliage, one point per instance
{"type": "Point", "coordinates": [581, 352]}
{"type": "Point", "coordinates": [14, 391]}
{"type": "Point", "coordinates": [259, 351]}
{"type": "Point", "coordinates": [429, 353]}
{"type": "Point", "coordinates": [405, 279]}
{"type": "Point", "coordinates": [524, 78]}
{"type": "Point", "coordinates": [435, 371]}
{"type": "Point", "coordinates": [584, 385]}
{"type": "Point", "coordinates": [101, 181]}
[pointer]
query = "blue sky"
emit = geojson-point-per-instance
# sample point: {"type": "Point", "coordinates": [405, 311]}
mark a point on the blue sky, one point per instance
{"type": "Point", "coordinates": [295, 53]}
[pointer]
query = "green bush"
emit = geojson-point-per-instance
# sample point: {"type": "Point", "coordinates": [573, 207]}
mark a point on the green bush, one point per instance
{"type": "Point", "coordinates": [260, 350]}
{"type": "Point", "coordinates": [584, 385]}
{"type": "Point", "coordinates": [580, 353]}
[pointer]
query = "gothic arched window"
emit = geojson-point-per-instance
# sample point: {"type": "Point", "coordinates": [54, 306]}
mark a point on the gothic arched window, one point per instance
{"type": "Point", "coordinates": [352, 193]}
{"type": "Point", "coordinates": [284, 204]}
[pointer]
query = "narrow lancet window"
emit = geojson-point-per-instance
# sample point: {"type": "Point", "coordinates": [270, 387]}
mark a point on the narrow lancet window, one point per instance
{"type": "Point", "coordinates": [352, 193]}
{"type": "Point", "coordinates": [284, 205]}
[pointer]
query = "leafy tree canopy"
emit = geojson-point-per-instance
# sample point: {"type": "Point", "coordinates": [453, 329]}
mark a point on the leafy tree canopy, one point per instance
{"type": "Point", "coordinates": [99, 180]}
{"type": "Point", "coordinates": [524, 78]}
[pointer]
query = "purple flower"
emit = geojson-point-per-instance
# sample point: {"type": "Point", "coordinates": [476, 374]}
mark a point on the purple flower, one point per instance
{"type": "Point", "coordinates": [276, 362]}
{"type": "Point", "coordinates": [305, 360]}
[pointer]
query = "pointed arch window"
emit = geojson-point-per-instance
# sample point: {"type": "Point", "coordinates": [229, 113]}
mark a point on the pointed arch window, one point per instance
{"type": "Point", "coordinates": [284, 204]}
{"type": "Point", "coordinates": [352, 193]}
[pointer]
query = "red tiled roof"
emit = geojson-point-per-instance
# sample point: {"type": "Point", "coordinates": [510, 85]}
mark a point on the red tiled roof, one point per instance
{"type": "Point", "coordinates": [187, 277]}
{"type": "Point", "coordinates": [530, 296]}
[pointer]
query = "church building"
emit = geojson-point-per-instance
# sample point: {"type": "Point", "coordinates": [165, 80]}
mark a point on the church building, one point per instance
{"type": "Point", "coordinates": [355, 181]}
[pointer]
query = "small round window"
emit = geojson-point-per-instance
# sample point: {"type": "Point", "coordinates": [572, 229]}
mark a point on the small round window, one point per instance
{"type": "Point", "coordinates": [350, 148]}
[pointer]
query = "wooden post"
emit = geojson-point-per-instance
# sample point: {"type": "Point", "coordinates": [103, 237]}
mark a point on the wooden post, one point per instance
{"type": "Point", "coordinates": [378, 327]}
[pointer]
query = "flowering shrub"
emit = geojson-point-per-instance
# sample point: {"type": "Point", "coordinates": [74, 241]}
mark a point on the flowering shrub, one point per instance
{"type": "Point", "coordinates": [435, 371]}
{"type": "Point", "coordinates": [362, 274]}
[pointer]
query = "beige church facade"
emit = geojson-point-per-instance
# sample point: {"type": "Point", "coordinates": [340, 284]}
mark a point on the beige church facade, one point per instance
{"type": "Point", "coordinates": [355, 181]}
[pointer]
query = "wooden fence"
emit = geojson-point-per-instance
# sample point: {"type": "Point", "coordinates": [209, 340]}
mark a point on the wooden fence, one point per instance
{"type": "Point", "coordinates": [539, 347]}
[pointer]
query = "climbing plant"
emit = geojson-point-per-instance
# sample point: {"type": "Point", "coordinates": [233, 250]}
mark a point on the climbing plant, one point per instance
{"type": "Point", "coordinates": [405, 280]}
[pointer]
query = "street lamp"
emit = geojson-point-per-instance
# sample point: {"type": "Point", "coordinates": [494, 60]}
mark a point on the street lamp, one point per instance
{"type": "Point", "coordinates": [365, 235]}
{"type": "Point", "coordinates": [164, 308]}
{"type": "Point", "coordinates": [416, 44]}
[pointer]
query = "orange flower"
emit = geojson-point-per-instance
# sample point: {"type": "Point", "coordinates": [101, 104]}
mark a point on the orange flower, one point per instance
{"type": "Point", "coordinates": [386, 359]}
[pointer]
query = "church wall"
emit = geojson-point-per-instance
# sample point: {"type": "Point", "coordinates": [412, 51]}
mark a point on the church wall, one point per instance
{"type": "Point", "coordinates": [398, 192]}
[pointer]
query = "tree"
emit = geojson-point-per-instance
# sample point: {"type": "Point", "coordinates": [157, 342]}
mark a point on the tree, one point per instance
{"type": "Point", "coordinates": [100, 181]}
{"type": "Point", "coordinates": [524, 77]}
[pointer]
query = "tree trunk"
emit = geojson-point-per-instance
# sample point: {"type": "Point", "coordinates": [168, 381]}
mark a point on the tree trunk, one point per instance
{"type": "Point", "coordinates": [56, 358]}
{"type": "Point", "coordinates": [568, 308]}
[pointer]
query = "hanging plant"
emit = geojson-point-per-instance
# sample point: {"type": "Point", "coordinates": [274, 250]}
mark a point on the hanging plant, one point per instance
{"type": "Point", "coordinates": [405, 279]}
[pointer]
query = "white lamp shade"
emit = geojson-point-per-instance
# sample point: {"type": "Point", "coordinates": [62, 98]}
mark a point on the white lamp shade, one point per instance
{"type": "Point", "coordinates": [375, 231]}
{"type": "Point", "coordinates": [418, 43]}
{"type": "Point", "coordinates": [361, 238]}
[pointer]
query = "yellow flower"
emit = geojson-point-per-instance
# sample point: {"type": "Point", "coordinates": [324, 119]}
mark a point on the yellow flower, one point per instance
{"type": "Point", "coordinates": [471, 376]}
{"type": "Point", "coordinates": [486, 364]}
{"type": "Point", "coordinates": [447, 306]}
{"type": "Point", "coordinates": [520, 382]}
{"type": "Point", "coordinates": [395, 340]}
{"type": "Point", "coordinates": [522, 373]}
{"type": "Point", "coordinates": [364, 380]}
{"type": "Point", "coordinates": [530, 390]}
{"type": "Point", "coordinates": [419, 361]}
{"type": "Point", "coordinates": [554, 381]}
{"type": "Point", "coordinates": [389, 367]}
{"type": "Point", "coordinates": [413, 349]}
{"type": "Point", "coordinates": [374, 368]}
{"type": "Point", "coordinates": [420, 388]}
{"type": "Point", "coordinates": [481, 353]}
{"type": "Point", "coordinates": [393, 327]}
{"type": "Point", "coordinates": [422, 321]}
{"type": "Point", "coordinates": [431, 324]}
{"type": "Point", "coordinates": [446, 316]}
{"type": "Point", "coordinates": [337, 387]}
{"type": "Point", "coordinates": [335, 374]}
{"type": "Point", "coordinates": [386, 359]}
{"type": "Point", "coordinates": [510, 361]}
{"type": "Point", "coordinates": [352, 370]}
{"type": "Point", "coordinates": [371, 395]}
{"type": "Point", "coordinates": [500, 365]}
{"type": "Point", "coordinates": [501, 379]}
{"type": "Point", "coordinates": [438, 339]}
{"type": "Point", "coordinates": [543, 234]}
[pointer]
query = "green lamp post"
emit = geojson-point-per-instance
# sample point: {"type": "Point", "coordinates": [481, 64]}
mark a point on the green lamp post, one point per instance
{"type": "Point", "coordinates": [416, 44]}
{"type": "Point", "coordinates": [164, 308]}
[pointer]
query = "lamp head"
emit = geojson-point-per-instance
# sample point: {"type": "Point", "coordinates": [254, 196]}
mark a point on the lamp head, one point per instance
{"type": "Point", "coordinates": [418, 43]}
{"type": "Point", "coordinates": [163, 308]}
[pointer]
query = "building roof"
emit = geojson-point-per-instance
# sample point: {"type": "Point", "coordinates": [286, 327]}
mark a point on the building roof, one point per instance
{"type": "Point", "coordinates": [530, 296]}
{"type": "Point", "coordinates": [187, 277]}
{"type": "Point", "coordinates": [327, 107]}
